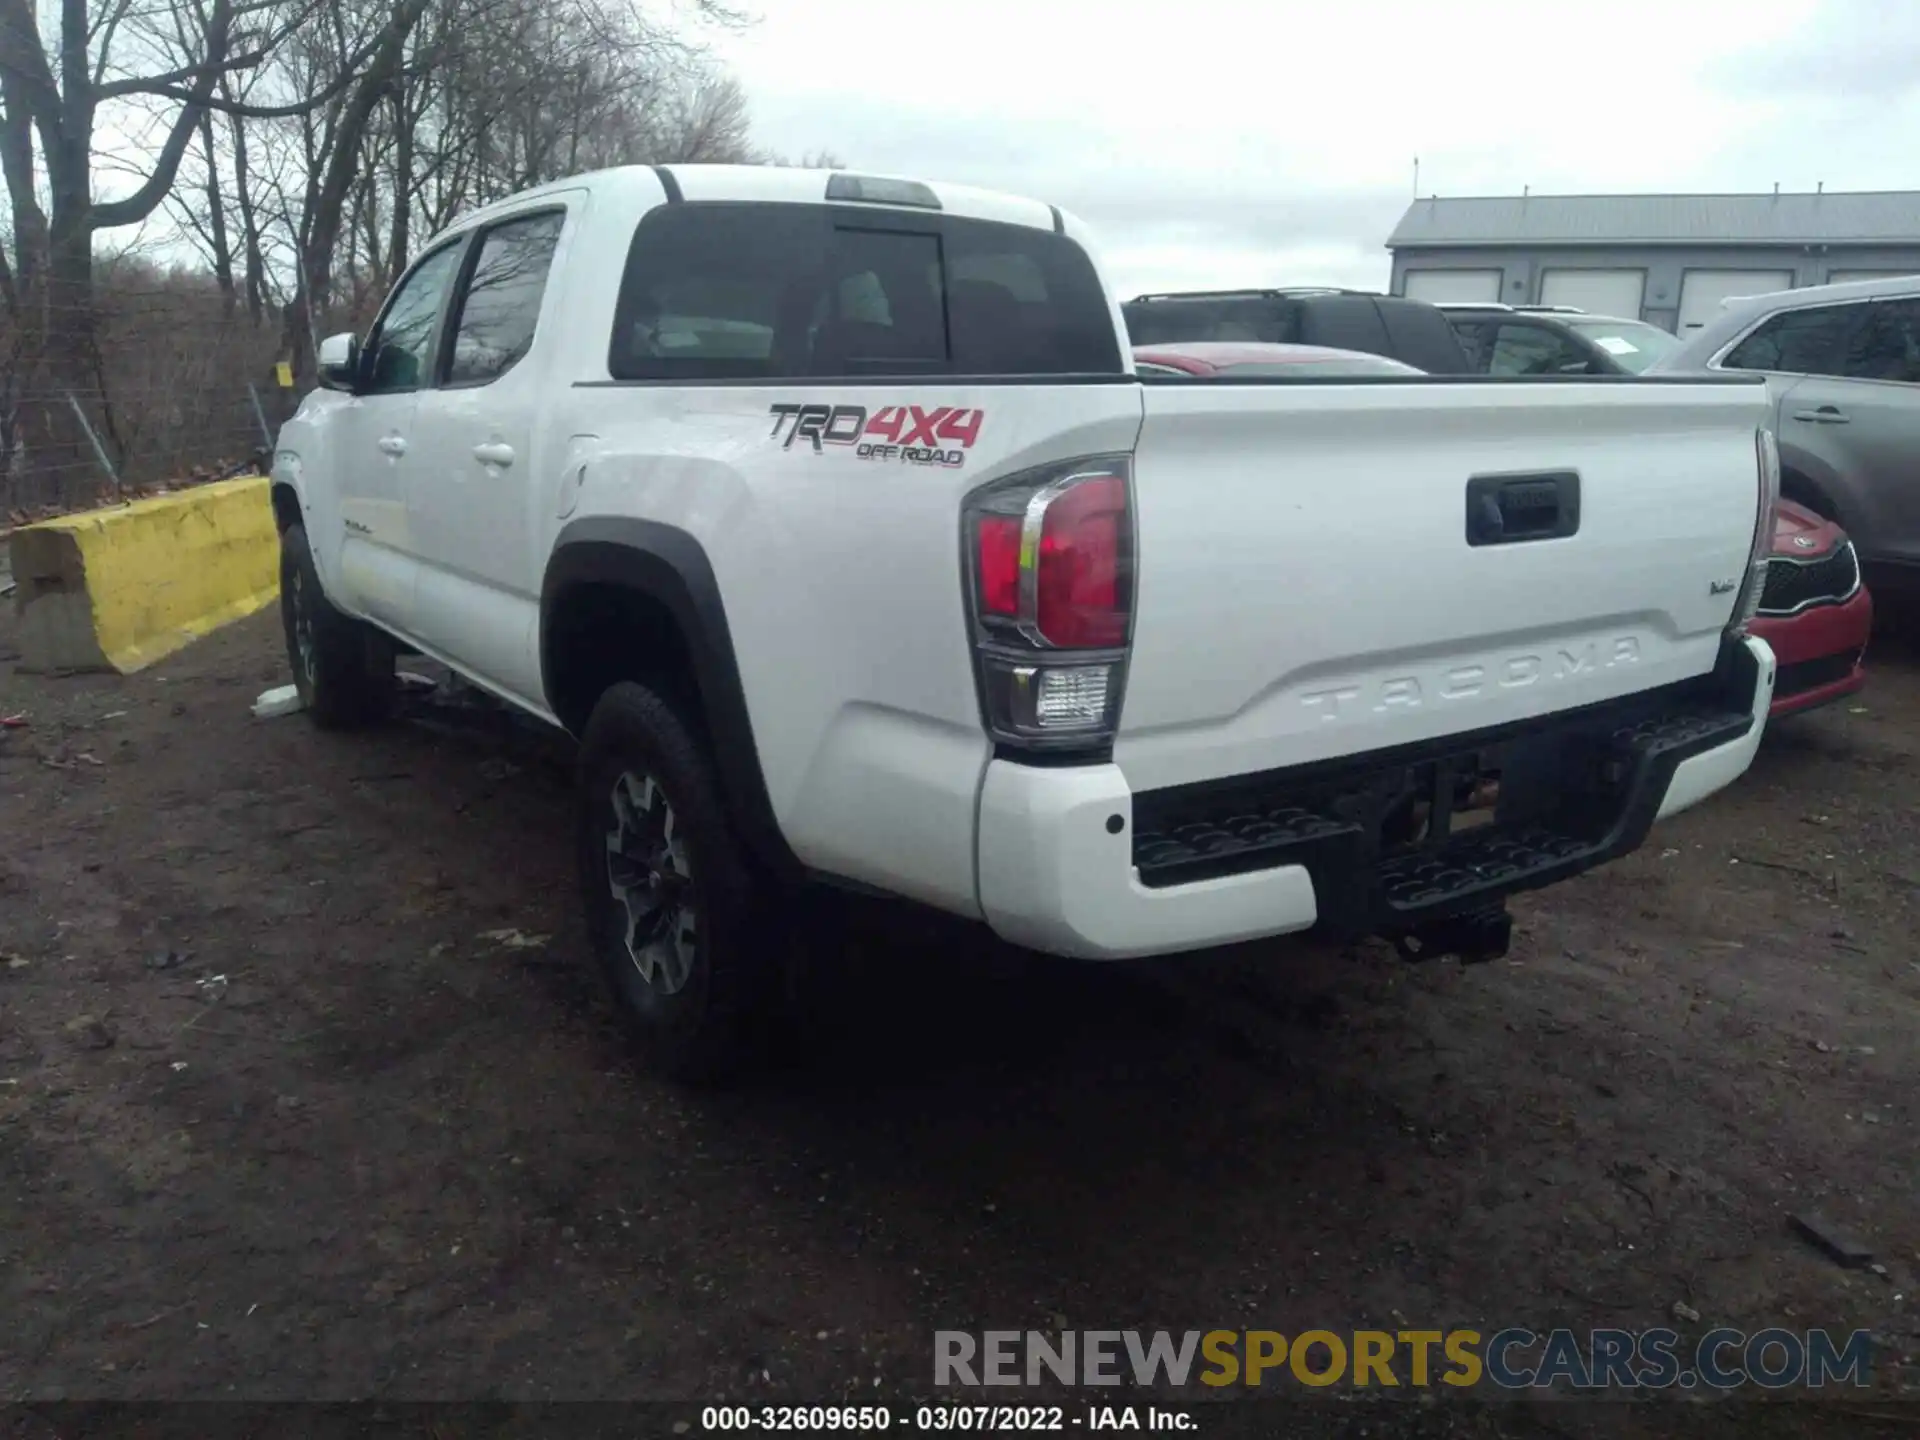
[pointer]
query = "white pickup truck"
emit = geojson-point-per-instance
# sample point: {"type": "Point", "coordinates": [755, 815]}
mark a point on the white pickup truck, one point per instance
{"type": "Point", "coordinates": [828, 513]}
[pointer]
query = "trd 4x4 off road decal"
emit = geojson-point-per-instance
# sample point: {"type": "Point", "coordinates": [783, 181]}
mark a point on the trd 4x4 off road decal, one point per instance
{"type": "Point", "coordinates": [907, 434]}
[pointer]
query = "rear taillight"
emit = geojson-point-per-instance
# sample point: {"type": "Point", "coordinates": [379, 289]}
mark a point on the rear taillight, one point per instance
{"type": "Point", "coordinates": [1767, 456]}
{"type": "Point", "coordinates": [1050, 601]}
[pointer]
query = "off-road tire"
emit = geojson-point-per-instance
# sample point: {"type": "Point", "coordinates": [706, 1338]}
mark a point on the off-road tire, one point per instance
{"type": "Point", "coordinates": [704, 1010]}
{"type": "Point", "coordinates": [342, 667]}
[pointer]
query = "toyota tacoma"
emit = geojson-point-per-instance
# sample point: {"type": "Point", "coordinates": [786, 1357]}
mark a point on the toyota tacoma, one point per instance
{"type": "Point", "coordinates": [829, 514]}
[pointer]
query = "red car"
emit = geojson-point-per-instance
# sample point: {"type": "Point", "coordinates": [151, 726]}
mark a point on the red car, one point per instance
{"type": "Point", "coordinates": [1814, 612]}
{"type": "Point", "coordinates": [1249, 358]}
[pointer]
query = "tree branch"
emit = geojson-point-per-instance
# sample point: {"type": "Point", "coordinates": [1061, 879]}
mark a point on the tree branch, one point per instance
{"type": "Point", "coordinates": [168, 84]}
{"type": "Point", "coordinates": [223, 106]}
{"type": "Point", "coordinates": [132, 209]}
{"type": "Point", "coordinates": [24, 58]}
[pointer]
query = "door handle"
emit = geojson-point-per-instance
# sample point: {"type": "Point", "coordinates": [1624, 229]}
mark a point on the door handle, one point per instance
{"type": "Point", "coordinates": [1825, 415]}
{"type": "Point", "coordinates": [494, 454]}
{"type": "Point", "coordinates": [393, 445]}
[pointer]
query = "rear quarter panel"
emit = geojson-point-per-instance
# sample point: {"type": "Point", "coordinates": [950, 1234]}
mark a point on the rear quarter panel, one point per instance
{"type": "Point", "coordinates": [841, 577]}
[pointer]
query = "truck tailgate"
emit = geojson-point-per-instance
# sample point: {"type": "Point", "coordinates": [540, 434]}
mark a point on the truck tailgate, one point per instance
{"type": "Point", "coordinates": [1311, 584]}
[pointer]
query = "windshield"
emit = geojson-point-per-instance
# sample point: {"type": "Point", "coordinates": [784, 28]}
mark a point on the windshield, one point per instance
{"type": "Point", "coordinates": [1633, 344]}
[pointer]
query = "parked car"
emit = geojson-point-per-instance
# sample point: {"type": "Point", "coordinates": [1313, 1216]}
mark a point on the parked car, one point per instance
{"type": "Point", "coordinates": [1242, 361]}
{"type": "Point", "coordinates": [703, 463]}
{"type": "Point", "coordinates": [1815, 611]}
{"type": "Point", "coordinates": [1843, 370]}
{"type": "Point", "coordinates": [1410, 331]}
{"type": "Point", "coordinates": [1554, 340]}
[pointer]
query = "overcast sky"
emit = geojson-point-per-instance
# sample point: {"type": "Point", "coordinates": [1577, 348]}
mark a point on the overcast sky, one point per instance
{"type": "Point", "coordinates": [1231, 142]}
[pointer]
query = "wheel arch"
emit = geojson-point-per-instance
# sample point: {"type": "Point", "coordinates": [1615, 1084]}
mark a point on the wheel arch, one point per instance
{"type": "Point", "coordinates": [1810, 481]}
{"type": "Point", "coordinates": [286, 506]}
{"type": "Point", "coordinates": [662, 582]}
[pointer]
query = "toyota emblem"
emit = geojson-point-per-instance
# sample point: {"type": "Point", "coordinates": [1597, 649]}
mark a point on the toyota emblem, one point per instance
{"type": "Point", "coordinates": [1803, 542]}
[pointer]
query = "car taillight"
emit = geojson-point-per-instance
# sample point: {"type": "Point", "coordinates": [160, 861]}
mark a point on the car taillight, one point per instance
{"type": "Point", "coordinates": [1747, 603]}
{"type": "Point", "coordinates": [999, 564]}
{"type": "Point", "coordinates": [1077, 575]}
{"type": "Point", "coordinates": [1050, 602]}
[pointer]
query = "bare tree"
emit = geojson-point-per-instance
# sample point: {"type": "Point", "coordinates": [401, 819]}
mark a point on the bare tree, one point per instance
{"type": "Point", "coordinates": [304, 150]}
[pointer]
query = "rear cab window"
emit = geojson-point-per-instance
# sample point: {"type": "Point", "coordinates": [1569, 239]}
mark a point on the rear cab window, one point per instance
{"type": "Point", "coordinates": [742, 291]}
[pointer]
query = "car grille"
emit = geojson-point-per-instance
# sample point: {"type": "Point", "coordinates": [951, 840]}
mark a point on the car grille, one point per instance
{"type": "Point", "coordinates": [1793, 585]}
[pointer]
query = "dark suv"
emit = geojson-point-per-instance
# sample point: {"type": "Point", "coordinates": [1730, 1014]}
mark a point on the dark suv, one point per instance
{"type": "Point", "coordinates": [1554, 340]}
{"type": "Point", "coordinates": [1410, 331]}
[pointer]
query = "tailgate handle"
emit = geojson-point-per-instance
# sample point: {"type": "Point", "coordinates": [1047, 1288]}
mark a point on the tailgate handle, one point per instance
{"type": "Point", "coordinates": [1512, 509]}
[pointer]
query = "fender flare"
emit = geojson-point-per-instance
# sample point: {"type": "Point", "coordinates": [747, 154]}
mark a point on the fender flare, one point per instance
{"type": "Point", "coordinates": [669, 567]}
{"type": "Point", "coordinates": [282, 492]}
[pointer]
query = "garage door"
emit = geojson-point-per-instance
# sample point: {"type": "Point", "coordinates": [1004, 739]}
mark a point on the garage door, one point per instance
{"type": "Point", "coordinates": [1701, 292]}
{"type": "Point", "coordinates": [1599, 292]}
{"type": "Point", "coordinates": [1436, 286]}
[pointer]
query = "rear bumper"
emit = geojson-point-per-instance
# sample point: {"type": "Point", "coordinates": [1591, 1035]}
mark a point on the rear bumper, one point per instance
{"type": "Point", "coordinates": [1073, 862]}
{"type": "Point", "coordinates": [1821, 652]}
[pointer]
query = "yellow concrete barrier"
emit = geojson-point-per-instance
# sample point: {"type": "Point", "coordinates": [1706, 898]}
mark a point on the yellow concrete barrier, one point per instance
{"type": "Point", "coordinates": [117, 589]}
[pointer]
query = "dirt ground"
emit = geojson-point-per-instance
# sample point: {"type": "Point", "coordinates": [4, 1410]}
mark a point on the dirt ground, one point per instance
{"type": "Point", "coordinates": [306, 1091]}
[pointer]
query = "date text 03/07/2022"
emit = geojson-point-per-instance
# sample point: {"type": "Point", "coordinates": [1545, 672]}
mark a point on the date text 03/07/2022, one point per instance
{"type": "Point", "coordinates": [929, 1419]}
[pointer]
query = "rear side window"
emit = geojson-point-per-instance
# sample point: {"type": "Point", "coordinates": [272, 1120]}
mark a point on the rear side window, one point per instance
{"type": "Point", "coordinates": [1422, 338]}
{"type": "Point", "coordinates": [1345, 322]}
{"type": "Point", "coordinates": [1802, 342]}
{"type": "Point", "coordinates": [749, 291]}
{"type": "Point", "coordinates": [1266, 319]}
{"type": "Point", "coordinates": [1887, 345]}
{"type": "Point", "coordinates": [502, 299]}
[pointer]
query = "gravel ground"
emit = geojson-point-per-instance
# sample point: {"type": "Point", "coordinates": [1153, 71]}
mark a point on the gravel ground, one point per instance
{"type": "Point", "coordinates": [306, 1092]}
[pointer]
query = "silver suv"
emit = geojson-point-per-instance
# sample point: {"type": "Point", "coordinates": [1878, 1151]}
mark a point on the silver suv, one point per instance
{"type": "Point", "coordinates": [1843, 369]}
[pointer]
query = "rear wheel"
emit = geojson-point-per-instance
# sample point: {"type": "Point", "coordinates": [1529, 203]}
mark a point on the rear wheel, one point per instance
{"type": "Point", "coordinates": [674, 904]}
{"type": "Point", "coordinates": [342, 667]}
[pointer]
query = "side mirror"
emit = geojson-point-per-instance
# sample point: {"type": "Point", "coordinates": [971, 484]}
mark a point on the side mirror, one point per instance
{"type": "Point", "coordinates": [339, 362]}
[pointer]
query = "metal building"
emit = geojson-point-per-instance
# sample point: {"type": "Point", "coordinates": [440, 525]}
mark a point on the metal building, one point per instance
{"type": "Point", "coordinates": [1669, 259]}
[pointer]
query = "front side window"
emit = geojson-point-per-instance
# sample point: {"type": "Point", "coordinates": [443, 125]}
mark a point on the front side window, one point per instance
{"type": "Point", "coordinates": [1799, 342]}
{"type": "Point", "coordinates": [1534, 350]}
{"type": "Point", "coordinates": [401, 348]}
{"type": "Point", "coordinates": [1887, 344]}
{"type": "Point", "coordinates": [1476, 338]}
{"type": "Point", "coordinates": [501, 305]}
{"type": "Point", "coordinates": [757, 291]}
{"type": "Point", "coordinates": [1633, 344]}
